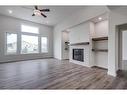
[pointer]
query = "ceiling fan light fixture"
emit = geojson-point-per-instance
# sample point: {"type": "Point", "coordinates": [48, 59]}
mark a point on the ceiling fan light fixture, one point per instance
{"type": "Point", "coordinates": [37, 12]}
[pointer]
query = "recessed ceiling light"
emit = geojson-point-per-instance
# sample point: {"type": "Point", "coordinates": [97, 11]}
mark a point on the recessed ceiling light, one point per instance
{"type": "Point", "coordinates": [100, 18]}
{"type": "Point", "coordinates": [10, 11]}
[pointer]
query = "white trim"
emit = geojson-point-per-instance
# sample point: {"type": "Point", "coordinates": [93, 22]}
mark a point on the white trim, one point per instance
{"type": "Point", "coordinates": [112, 73]}
{"type": "Point", "coordinates": [21, 44]}
{"type": "Point", "coordinates": [47, 44]}
{"type": "Point", "coordinates": [5, 45]}
{"type": "Point", "coordinates": [38, 32]}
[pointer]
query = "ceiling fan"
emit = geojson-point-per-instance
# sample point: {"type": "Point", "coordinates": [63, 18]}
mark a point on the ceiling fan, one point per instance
{"type": "Point", "coordinates": [39, 12]}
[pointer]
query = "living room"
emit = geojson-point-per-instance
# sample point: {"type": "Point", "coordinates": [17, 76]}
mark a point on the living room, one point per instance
{"type": "Point", "coordinates": [62, 47]}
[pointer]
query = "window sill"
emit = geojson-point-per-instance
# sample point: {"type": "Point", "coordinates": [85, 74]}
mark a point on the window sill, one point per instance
{"type": "Point", "coordinates": [26, 54]}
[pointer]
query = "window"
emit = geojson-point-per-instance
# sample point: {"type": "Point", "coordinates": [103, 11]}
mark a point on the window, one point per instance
{"type": "Point", "coordinates": [29, 44]}
{"type": "Point", "coordinates": [29, 29]}
{"type": "Point", "coordinates": [30, 41]}
{"type": "Point", "coordinates": [11, 43]}
{"type": "Point", "coordinates": [44, 44]}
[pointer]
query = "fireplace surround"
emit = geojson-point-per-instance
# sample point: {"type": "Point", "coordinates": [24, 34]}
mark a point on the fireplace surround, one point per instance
{"type": "Point", "coordinates": [78, 54]}
{"type": "Point", "coordinates": [83, 51]}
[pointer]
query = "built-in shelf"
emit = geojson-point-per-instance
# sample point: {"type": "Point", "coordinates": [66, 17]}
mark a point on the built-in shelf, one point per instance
{"type": "Point", "coordinates": [100, 38]}
{"type": "Point", "coordinates": [100, 50]}
{"type": "Point", "coordinates": [82, 43]}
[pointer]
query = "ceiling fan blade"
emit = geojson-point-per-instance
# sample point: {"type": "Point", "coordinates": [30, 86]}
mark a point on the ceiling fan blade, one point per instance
{"type": "Point", "coordinates": [43, 15]}
{"type": "Point", "coordinates": [45, 10]}
{"type": "Point", "coordinates": [36, 7]}
{"type": "Point", "coordinates": [33, 14]}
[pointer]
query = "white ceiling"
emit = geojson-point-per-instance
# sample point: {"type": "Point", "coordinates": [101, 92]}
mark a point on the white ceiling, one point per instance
{"type": "Point", "coordinates": [56, 14]}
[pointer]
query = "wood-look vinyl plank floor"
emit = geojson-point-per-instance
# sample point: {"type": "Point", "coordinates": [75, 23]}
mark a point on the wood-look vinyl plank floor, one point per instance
{"type": "Point", "coordinates": [56, 74]}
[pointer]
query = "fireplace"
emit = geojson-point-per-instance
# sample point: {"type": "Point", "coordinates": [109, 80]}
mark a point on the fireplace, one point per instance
{"type": "Point", "coordinates": [78, 54]}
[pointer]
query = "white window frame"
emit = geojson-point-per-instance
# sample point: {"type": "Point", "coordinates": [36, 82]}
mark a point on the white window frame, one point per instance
{"type": "Point", "coordinates": [29, 34]}
{"type": "Point", "coordinates": [19, 41]}
{"type": "Point", "coordinates": [29, 26]}
{"type": "Point", "coordinates": [47, 45]}
{"type": "Point", "coordinates": [5, 50]}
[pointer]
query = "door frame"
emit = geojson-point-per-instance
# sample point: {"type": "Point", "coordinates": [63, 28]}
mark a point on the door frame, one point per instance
{"type": "Point", "coordinates": [120, 28]}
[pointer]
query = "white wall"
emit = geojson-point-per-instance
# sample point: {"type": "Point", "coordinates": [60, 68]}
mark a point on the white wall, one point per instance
{"type": "Point", "coordinates": [74, 19]}
{"type": "Point", "coordinates": [92, 30]}
{"type": "Point", "coordinates": [57, 41]}
{"type": "Point", "coordinates": [124, 43]}
{"type": "Point", "coordinates": [92, 54]}
{"type": "Point", "coordinates": [79, 33]}
{"type": "Point", "coordinates": [65, 38]}
{"type": "Point", "coordinates": [101, 58]}
{"type": "Point", "coordinates": [9, 24]}
{"type": "Point", "coordinates": [101, 29]}
{"type": "Point", "coordinates": [116, 18]}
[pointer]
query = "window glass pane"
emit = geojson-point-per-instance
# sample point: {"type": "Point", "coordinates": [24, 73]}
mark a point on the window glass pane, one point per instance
{"type": "Point", "coordinates": [11, 44]}
{"type": "Point", "coordinates": [44, 44]}
{"type": "Point", "coordinates": [29, 44]}
{"type": "Point", "coordinates": [29, 29]}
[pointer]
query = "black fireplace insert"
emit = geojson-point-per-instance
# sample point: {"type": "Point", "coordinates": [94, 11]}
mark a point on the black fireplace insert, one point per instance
{"type": "Point", "coordinates": [78, 54]}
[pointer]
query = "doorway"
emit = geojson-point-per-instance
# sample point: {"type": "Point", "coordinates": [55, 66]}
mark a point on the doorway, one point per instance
{"type": "Point", "coordinates": [122, 47]}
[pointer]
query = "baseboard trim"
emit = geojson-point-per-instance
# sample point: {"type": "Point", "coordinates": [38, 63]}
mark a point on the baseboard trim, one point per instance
{"type": "Point", "coordinates": [99, 67]}
{"type": "Point", "coordinates": [24, 60]}
{"type": "Point", "coordinates": [112, 74]}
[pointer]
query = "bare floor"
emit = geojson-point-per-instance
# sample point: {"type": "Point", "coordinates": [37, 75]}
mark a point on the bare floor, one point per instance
{"type": "Point", "coordinates": [56, 74]}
